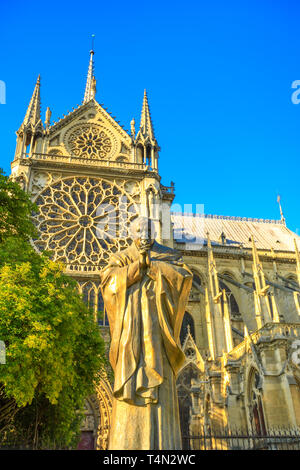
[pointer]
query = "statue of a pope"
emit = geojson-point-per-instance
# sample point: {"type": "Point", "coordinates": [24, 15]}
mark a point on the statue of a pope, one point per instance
{"type": "Point", "coordinates": [145, 289]}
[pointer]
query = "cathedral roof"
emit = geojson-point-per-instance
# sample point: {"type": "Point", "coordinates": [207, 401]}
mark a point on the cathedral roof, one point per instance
{"type": "Point", "coordinates": [233, 232]}
{"type": "Point", "coordinates": [80, 109]}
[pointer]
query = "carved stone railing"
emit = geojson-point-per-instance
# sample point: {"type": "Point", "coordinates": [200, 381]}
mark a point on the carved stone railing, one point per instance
{"type": "Point", "coordinates": [268, 333]}
{"type": "Point", "coordinates": [83, 268]}
{"type": "Point", "coordinates": [272, 331]}
{"type": "Point", "coordinates": [168, 189]}
{"type": "Point", "coordinates": [87, 161]}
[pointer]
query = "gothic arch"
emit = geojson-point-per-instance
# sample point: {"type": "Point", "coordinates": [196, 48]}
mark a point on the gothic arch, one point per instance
{"type": "Point", "coordinates": [98, 414]}
{"type": "Point", "coordinates": [199, 274]}
{"type": "Point", "coordinates": [140, 154]}
{"type": "Point", "coordinates": [231, 298]}
{"type": "Point", "coordinates": [92, 296]}
{"type": "Point", "coordinates": [184, 385]}
{"type": "Point", "coordinates": [254, 401]}
{"type": "Point", "coordinates": [229, 274]}
{"type": "Point", "coordinates": [237, 323]}
{"type": "Point", "coordinates": [104, 395]}
{"type": "Point", "coordinates": [197, 280]}
{"type": "Point", "coordinates": [188, 324]}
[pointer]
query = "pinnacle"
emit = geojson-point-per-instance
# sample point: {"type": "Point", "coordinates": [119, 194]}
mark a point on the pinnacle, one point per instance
{"type": "Point", "coordinates": [33, 113]}
{"type": "Point", "coordinates": [90, 88]}
{"type": "Point", "coordinates": [146, 126]}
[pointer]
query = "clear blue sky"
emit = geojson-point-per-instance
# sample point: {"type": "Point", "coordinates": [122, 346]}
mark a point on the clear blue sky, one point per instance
{"type": "Point", "coordinates": [218, 75]}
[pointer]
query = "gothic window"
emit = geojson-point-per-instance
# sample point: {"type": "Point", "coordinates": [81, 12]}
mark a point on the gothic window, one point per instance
{"type": "Point", "coordinates": [82, 220]}
{"type": "Point", "coordinates": [195, 293]}
{"type": "Point", "coordinates": [184, 393]}
{"type": "Point", "coordinates": [187, 323]}
{"type": "Point", "coordinates": [233, 305]}
{"type": "Point", "coordinates": [92, 296]}
{"type": "Point", "coordinates": [88, 291]}
{"type": "Point", "coordinates": [140, 154]}
{"type": "Point", "coordinates": [237, 323]}
{"type": "Point", "coordinates": [148, 155]}
{"type": "Point", "coordinates": [256, 413]}
{"type": "Point", "coordinates": [102, 315]}
{"type": "Point", "coordinates": [268, 300]}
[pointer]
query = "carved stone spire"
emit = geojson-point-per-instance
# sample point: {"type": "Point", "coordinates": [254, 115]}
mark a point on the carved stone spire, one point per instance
{"type": "Point", "coordinates": [214, 299]}
{"type": "Point", "coordinates": [146, 126]}
{"type": "Point", "coordinates": [33, 114]}
{"type": "Point", "coordinates": [261, 300]}
{"type": "Point", "coordinates": [280, 209]}
{"type": "Point", "coordinates": [145, 140]}
{"type": "Point", "coordinates": [31, 131]}
{"type": "Point", "coordinates": [90, 88]}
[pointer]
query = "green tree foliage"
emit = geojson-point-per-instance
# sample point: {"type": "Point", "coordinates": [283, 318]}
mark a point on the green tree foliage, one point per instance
{"type": "Point", "coordinates": [15, 210]}
{"type": "Point", "coordinates": [54, 351]}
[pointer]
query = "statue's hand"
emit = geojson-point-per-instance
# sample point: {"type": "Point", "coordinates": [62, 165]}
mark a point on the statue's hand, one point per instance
{"type": "Point", "coordinates": [144, 259]}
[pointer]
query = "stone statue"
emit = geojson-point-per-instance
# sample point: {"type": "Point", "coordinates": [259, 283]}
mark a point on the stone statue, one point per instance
{"type": "Point", "coordinates": [145, 289]}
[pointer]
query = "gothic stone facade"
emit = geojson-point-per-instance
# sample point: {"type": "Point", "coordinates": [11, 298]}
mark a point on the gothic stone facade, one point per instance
{"type": "Point", "coordinates": [240, 334]}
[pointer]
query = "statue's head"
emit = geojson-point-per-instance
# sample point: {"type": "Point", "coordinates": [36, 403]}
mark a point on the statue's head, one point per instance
{"type": "Point", "coordinates": [143, 233]}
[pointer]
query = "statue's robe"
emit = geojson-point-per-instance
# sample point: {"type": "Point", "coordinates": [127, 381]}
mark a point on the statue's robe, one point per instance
{"type": "Point", "coordinates": [145, 312]}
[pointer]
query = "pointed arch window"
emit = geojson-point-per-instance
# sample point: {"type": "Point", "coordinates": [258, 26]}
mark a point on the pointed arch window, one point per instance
{"type": "Point", "coordinates": [195, 292]}
{"type": "Point", "coordinates": [102, 315]}
{"type": "Point", "coordinates": [140, 154]}
{"type": "Point", "coordinates": [92, 297]}
{"type": "Point", "coordinates": [237, 323]}
{"type": "Point", "coordinates": [188, 324]}
{"type": "Point", "coordinates": [186, 398]}
{"type": "Point", "coordinates": [233, 305]}
{"type": "Point", "coordinates": [256, 412]}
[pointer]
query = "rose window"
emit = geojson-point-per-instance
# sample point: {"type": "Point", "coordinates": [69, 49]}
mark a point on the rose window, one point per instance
{"type": "Point", "coordinates": [82, 220]}
{"type": "Point", "coordinates": [90, 142]}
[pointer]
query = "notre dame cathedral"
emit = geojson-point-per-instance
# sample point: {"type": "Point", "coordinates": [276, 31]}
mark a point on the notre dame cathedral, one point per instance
{"type": "Point", "coordinates": [241, 330]}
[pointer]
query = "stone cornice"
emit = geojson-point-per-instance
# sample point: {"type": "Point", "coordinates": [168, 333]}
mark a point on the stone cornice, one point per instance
{"type": "Point", "coordinates": [229, 217]}
{"type": "Point", "coordinates": [233, 253]}
{"type": "Point", "coordinates": [115, 170]}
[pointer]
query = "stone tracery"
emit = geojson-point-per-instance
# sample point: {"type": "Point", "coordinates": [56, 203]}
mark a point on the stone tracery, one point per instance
{"type": "Point", "coordinates": [89, 141]}
{"type": "Point", "coordinates": [82, 220]}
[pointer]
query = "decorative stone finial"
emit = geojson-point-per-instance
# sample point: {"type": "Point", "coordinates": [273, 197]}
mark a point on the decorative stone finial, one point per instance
{"type": "Point", "coordinates": [132, 126]}
{"type": "Point", "coordinates": [48, 116]}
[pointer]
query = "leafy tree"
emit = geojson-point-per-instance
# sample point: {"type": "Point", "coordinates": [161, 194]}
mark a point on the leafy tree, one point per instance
{"type": "Point", "coordinates": [54, 351]}
{"type": "Point", "coordinates": [54, 348]}
{"type": "Point", "coordinates": [15, 210]}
